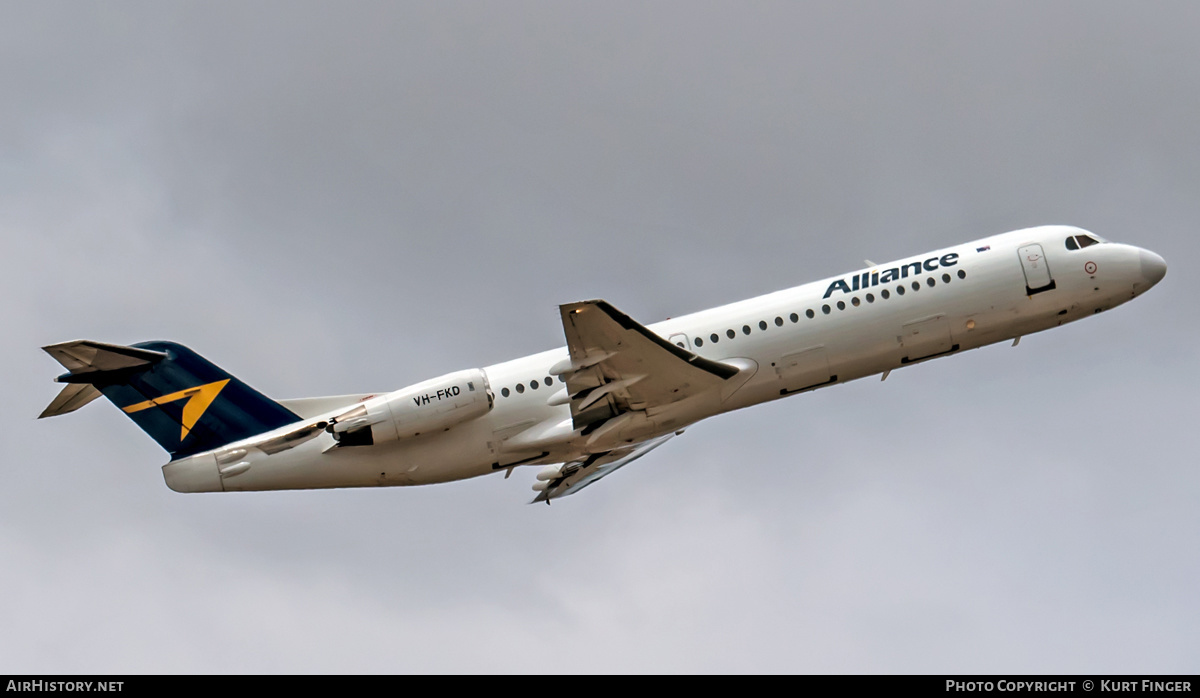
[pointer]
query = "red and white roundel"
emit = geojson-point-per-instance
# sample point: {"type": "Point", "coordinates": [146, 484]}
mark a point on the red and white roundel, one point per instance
{"type": "Point", "coordinates": [1090, 267]}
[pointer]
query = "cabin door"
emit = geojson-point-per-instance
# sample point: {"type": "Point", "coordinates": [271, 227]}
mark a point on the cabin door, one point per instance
{"type": "Point", "coordinates": [1037, 274]}
{"type": "Point", "coordinates": [680, 340]}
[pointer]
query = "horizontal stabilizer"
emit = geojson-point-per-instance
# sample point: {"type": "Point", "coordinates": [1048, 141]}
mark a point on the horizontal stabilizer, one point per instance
{"type": "Point", "coordinates": [183, 401]}
{"type": "Point", "coordinates": [72, 397]}
{"type": "Point", "coordinates": [86, 356]}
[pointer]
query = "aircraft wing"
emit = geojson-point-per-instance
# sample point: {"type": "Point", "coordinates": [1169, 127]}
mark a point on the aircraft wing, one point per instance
{"type": "Point", "coordinates": [617, 365]}
{"type": "Point", "coordinates": [572, 477]}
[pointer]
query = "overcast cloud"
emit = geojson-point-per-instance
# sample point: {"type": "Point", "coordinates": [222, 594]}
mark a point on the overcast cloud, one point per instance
{"type": "Point", "coordinates": [333, 198]}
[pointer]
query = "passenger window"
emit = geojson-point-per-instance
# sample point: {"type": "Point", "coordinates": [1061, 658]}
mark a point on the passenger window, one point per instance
{"type": "Point", "coordinates": [871, 297]}
{"type": "Point", "coordinates": [504, 392]}
{"type": "Point", "coordinates": [520, 387]}
{"type": "Point", "coordinates": [533, 384]}
{"type": "Point", "coordinates": [745, 329]}
{"type": "Point", "coordinates": [713, 337]}
{"type": "Point", "coordinates": [825, 309]}
{"type": "Point", "coordinates": [916, 286]}
{"type": "Point", "coordinates": [548, 381]}
{"type": "Point", "coordinates": [762, 324]}
{"type": "Point", "coordinates": [794, 317]}
{"type": "Point", "coordinates": [885, 293]}
{"type": "Point", "coordinates": [1071, 244]}
{"type": "Point", "coordinates": [730, 334]}
{"type": "Point", "coordinates": [962, 274]}
{"type": "Point", "coordinates": [855, 301]}
{"type": "Point", "coordinates": [841, 305]}
{"type": "Point", "coordinates": [899, 290]}
{"type": "Point", "coordinates": [931, 282]}
{"type": "Point", "coordinates": [945, 278]}
{"type": "Point", "coordinates": [779, 322]}
{"type": "Point", "coordinates": [810, 313]}
{"type": "Point", "coordinates": [699, 342]}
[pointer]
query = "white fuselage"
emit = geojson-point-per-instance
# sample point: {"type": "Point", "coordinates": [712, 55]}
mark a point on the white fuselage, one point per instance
{"type": "Point", "coordinates": [823, 333]}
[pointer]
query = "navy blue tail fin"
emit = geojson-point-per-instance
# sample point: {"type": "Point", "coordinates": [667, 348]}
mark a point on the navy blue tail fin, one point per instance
{"type": "Point", "coordinates": [184, 402]}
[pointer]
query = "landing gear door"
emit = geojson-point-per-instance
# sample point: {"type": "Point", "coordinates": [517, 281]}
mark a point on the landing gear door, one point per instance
{"type": "Point", "coordinates": [1037, 273]}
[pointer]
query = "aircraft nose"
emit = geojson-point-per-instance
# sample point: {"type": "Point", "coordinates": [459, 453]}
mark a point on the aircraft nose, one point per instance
{"type": "Point", "coordinates": [1154, 268]}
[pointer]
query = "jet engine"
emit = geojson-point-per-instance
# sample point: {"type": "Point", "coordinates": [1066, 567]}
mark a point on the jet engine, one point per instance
{"type": "Point", "coordinates": [432, 406]}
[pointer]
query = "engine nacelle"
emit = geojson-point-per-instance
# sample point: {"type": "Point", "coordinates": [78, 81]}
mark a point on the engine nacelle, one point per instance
{"type": "Point", "coordinates": [433, 406]}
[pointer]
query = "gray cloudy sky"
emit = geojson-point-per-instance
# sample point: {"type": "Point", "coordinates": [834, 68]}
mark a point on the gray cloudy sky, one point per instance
{"type": "Point", "coordinates": [328, 198]}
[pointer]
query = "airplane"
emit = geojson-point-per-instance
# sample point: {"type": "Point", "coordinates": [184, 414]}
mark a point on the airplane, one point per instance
{"type": "Point", "coordinates": [618, 389]}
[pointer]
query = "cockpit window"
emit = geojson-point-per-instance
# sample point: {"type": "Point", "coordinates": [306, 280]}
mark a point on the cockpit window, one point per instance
{"type": "Point", "coordinates": [1078, 242]}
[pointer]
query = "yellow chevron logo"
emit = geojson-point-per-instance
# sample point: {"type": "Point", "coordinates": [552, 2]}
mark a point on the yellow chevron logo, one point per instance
{"type": "Point", "coordinates": [198, 400]}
